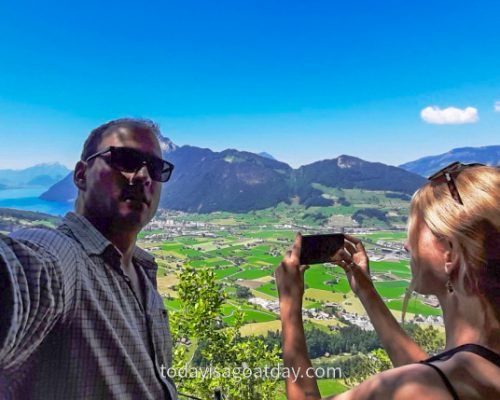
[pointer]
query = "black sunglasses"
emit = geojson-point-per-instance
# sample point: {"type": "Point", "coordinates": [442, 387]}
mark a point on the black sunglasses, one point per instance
{"type": "Point", "coordinates": [127, 159]}
{"type": "Point", "coordinates": [447, 173]}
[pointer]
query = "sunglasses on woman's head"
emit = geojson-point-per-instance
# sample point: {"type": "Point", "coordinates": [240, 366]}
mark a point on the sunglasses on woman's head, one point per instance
{"type": "Point", "coordinates": [447, 173]}
{"type": "Point", "coordinates": [126, 159]}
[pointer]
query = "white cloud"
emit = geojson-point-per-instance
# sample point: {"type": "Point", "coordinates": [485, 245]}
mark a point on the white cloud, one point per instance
{"type": "Point", "coordinates": [450, 115]}
{"type": "Point", "coordinates": [497, 106]}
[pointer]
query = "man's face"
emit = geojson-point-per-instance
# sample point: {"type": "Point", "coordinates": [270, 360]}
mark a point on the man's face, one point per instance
{"type": "Point", "coordinates": [128, 200]}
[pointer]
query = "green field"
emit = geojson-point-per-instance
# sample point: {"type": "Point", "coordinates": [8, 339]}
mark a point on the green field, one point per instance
{"type": "Point", "coordinates": [415, 306]}
{"type": "Point", "coordinates": [223, 273]}
{"type": "Point", "coordinates": [326, 278]}
{"type": "Point", "coordinates": [400, 268]}
{"type": "Point", "coordinates": [314, 305]}
{"type": "Point", "coordinates": [269, 289]}
{"type": "Point", "coordinates": [251, 315]}
{"type": "Point", "coordinates": [266, 234]}
{"type": "Point", "coordinates": [391, 289]}
{"type": "Point", "coordinates": [260, 328]}
{"type": "Point", "coordinates": [387, 236]}
{"type": "Point", "coordinates": [209, 262]}
{"type": "Point", "coordinates": [171, 246]}
{"type": "Point", "coordinates": [252, 274]}
{"type": "Point", "coordinates": [324, 295]}
{"type": "Point", "coordinates": [259, 260]}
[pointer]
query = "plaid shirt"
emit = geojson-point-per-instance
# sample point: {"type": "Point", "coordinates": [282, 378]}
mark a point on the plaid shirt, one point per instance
{"type": "Point", "coordinates": [70, 324]}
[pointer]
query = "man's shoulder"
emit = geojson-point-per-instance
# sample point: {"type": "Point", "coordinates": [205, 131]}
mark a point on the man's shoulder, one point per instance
{"type": "Point", "coordinates": [49, 239]}
{"type": "Point", "coordinates": [145, 257]}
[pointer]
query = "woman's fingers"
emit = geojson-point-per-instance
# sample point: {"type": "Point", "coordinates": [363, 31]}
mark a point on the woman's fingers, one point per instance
{"type": "Point", "coordinates": [350, 247]}
{"type": "Point", "coordinates": [297, 244]}
{"type": "Point", "coordinates": [342, 255]}
{"type": "Point", "coordinates": [353, 239]}
{"type": "Point", "coordinates": [341, 263]}
{"type": "Point", "coordinates": [345, 265]}
{"type": "Point", "coordinates": [292, 256]}
{"type": "Point", "coordinates": [357, 242]}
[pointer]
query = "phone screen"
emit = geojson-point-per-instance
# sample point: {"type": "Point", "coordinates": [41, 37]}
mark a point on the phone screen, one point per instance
{"type": "Point", "coordinates": [318, 249]}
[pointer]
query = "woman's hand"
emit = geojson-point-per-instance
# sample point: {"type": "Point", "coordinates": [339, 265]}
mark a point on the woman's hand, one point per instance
{"type": "Point", "coordinates": [354, 261]}
{"type": "Point", "coordinates": [290, 275]}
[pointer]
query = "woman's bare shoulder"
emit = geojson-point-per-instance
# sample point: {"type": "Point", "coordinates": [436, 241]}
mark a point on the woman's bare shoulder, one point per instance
{"type": "Point", "coordinates": [410, 382]}
{"type": "Point", "coordinates": [471, 376]}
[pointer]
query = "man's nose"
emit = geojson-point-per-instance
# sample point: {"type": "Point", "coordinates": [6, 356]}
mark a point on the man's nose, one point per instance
{"type": "Point", "coordinates": [141, 175]}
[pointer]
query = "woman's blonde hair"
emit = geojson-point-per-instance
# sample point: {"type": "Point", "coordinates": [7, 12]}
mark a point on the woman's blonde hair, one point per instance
{"type": "Point", "coordinates": [473, 227]}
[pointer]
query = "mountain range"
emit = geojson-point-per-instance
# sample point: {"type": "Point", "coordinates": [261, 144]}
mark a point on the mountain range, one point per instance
{"type": "Point", "coordinates": [44, 175]}
{"type": "Point", "coordinates": [238, 181]}
{"type": "Point", "coordinates": [489, 155]}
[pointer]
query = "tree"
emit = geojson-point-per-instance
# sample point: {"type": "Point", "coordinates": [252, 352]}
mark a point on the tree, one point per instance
{"type": "Point", "coordinates": [430, 339]}
{"type": "Point", "coordinates": [243, 292]}
{"type": "Point", "coordinates": [347, 339]}
{"type": "Point", "coordinates": [360, 367]}
{"type": "Point", "coordinates": [223, 349]}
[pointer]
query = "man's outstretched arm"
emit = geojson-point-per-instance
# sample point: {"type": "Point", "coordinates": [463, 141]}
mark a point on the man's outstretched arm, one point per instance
{"type": "Point", "coordinates": [36, 291]}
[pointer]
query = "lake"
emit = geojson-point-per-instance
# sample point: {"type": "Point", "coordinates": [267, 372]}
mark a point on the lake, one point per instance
{"type": "Point", "coordinates": [27, 199]}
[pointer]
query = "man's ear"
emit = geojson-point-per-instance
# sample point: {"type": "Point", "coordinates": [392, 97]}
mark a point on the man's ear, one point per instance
{"type": "Point", "coordinates": [80, 175]}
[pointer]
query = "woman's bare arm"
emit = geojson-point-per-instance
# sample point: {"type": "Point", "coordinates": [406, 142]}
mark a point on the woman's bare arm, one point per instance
{"type": "Point", "coordinates": [300, 384]}
{"type": "Point", "coordinates": [400, 347]}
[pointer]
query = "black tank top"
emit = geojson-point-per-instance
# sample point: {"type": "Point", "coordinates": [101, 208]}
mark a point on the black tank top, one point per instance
{"type": "Point", "coordinates": [445, 355]}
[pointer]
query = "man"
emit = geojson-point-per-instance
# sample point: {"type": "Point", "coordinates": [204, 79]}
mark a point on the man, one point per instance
{"type": "Point", "coordinates": [80, 317]}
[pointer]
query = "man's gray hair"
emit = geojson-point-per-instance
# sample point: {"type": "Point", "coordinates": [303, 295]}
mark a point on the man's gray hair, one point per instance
{"type": "Point", "coordinates": [134, 124]}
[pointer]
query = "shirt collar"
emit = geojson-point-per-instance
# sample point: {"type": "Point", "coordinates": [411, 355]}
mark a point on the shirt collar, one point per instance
{"type": "Point", "coordinates": [94, 243]}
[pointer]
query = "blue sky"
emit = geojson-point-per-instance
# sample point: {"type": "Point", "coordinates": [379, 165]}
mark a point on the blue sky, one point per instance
{"type": "Point", "coordinates": [302, 80]}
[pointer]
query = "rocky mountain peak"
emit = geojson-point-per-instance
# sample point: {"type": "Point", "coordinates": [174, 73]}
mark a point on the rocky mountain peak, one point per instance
{"type": "Point", "coordinates": [345, 161]}
{"type": "Point", "coordinates": [166, 145]}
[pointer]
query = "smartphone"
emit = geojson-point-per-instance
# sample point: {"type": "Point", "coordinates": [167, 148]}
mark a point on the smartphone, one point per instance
{"type": "Point", "coordinates": [319, 249]}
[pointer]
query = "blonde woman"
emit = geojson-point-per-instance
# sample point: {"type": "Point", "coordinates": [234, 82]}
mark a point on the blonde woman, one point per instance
{"type": "Point", "coordinates": [454, 242]}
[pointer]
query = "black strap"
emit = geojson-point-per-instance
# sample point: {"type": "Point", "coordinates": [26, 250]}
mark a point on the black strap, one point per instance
{"type": "Point", "coordinates": [482, 351]}
{"type": "Point", "coordinates": [447, 383]}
